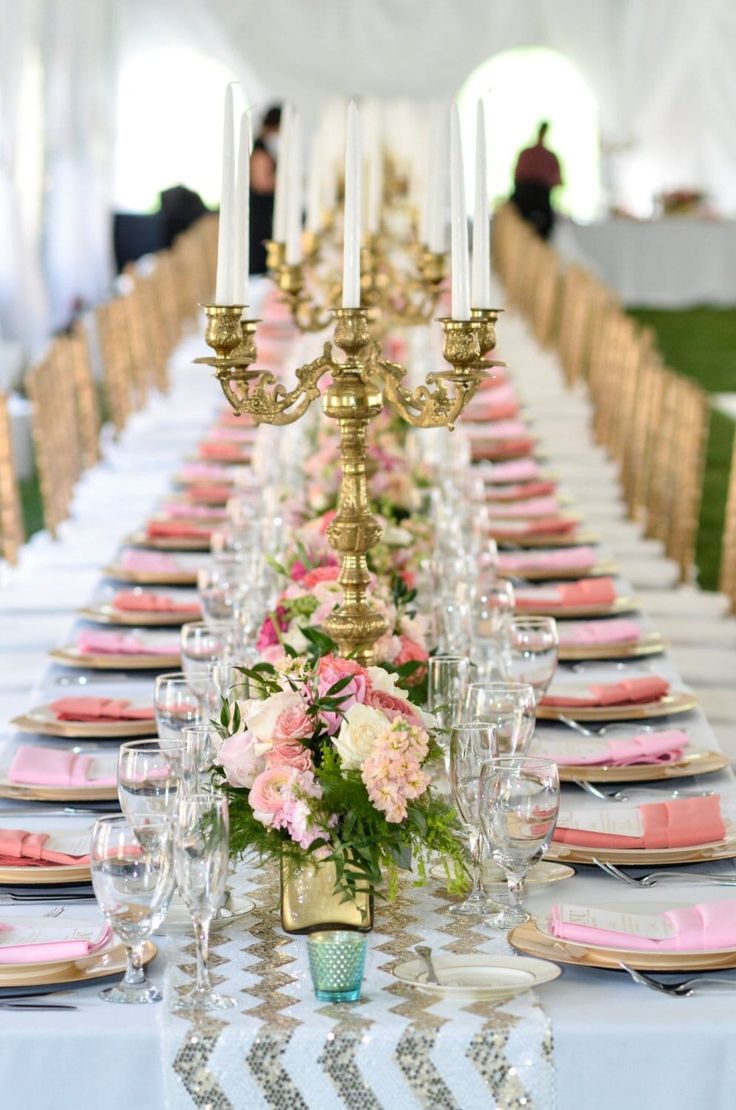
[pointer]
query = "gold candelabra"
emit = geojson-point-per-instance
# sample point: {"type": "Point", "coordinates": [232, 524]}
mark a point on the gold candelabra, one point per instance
{"type": "Point", "coordinates": [361, 382]}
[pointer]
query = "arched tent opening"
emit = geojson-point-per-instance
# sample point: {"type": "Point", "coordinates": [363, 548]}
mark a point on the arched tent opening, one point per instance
{"type": "Point", "coordinates": [520, 88]}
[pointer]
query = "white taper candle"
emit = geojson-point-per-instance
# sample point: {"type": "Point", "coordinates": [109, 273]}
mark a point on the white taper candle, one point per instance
{"type": "Point", "coordinates": [280, 199]}
{"type": "Point", "coordinates": [224, 286]}
{"type": "Point", "coordinates": [295, 194]}
{"type": "Point", "coordinates": [481, 284]}
{"type": "Point", "coordinates": [351, 232]}
{"type": "Point", "coordinates": [459, 224]}
{"type": "Point", "coordinates": [241, 233]}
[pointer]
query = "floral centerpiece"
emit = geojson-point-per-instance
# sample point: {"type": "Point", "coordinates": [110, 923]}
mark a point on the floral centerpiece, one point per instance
{"type": "Point", "coordinates": [328, 762]}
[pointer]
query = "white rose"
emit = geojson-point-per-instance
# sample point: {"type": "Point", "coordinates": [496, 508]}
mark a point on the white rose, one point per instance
{"type": "Point", "coordinates": [358, 735]}
{"type": "Point", "coordinates": [261, 716]}
{"type": "Point", "coordinates": [296, 639]}
{"type": "Point", "coordinates": [395, 536]}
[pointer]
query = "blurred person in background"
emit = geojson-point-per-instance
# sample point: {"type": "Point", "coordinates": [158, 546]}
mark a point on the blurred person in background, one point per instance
{"type": "Point", "coordinates": [262, 187]}
{"type": "Point", "coordinates": [536, 175]}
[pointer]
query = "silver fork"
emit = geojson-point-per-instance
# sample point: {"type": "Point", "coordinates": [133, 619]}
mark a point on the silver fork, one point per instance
{"type": "Point", "coordinates": [602, 730]}
{"type": "Point", "coordinates": [622, 796]}
{"type": "Point", "coordinates": [684, 989]}
{"type": "Point", "coordinates": [12, 897]}
{"type": "Point", "coordinates": [655, 877]}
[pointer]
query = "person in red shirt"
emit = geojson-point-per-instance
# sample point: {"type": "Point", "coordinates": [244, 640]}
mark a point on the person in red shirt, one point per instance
{"type": "Point", "coordinates": [536, 175]}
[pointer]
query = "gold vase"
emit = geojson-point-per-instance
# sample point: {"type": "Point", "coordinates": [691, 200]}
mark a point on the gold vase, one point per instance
{"type": "Point", "coordinates": [309, 900]}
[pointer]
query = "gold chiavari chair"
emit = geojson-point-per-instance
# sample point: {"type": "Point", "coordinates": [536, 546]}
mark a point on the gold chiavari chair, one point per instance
{"type": "Point", "coordinates": [51, 390]}
{"type": "Point", "coordinates": [727, 581]}
{"type": "Point", "coordinates": [116, 362]}
{"type": "Point", "coordinates": [12, 531]}
{"type": "Point", "coordinates": [638, 462]}
{"type": "Point", "coordinates": [71, 356]}
{"type": "Point", "coordinates": [689, 436]}
{"type": "Point", "coordinates": [546, 294]}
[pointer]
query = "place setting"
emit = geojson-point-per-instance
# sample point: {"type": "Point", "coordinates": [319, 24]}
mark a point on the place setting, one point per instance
{"type": "Point", "coordinates": [134, 649]}
{"type": "Point", "coordinates": [152, 568]}
{"type": "Point", "coordinates": [576, 563]}
{"type": "Point", "coordinates": [141, 607]}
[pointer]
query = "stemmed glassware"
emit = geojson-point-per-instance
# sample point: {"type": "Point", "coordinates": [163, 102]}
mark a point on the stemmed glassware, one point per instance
{"type": "Point", "coordinates": [531, 653]}
{"type": "Point", "coordinates": [519, 803]}
{"type": "Point", "coordinates": [492, 612]}
{"type": "Point", "coordinates": [509, 707]}
{"type": "Point", "coordinates": [220, 586]}
{"type": "Point", "coordinates": [201, 860]}
{"type": "Point", "coordinates": [199, 749]}
{"type": "Point", "coordinates": [175, 704]}
{"type": "Point", "coordinates": [471, 745]}
{"type": "Point", "coordinates": [133, 882]}
{"type": "Point", "coordinates": [149, 774]}
{"type": "Point", "coordinates": [203, 643]}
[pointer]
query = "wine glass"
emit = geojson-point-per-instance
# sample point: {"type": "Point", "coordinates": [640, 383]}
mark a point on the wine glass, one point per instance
{"type": "Point", "coordinates": [531, 653]}
{"type": "Point", "coordinates": [149, 774]}
{"type": "Point", "coordinates": [453, 628]}
{"type": "Point", "coordinates": [493, 607]}
{"type": "Point", "coordinates": [509, 707]}
{"type": "Point", "coordinates": [199, 749]}
{"type": "Point", "coordinates": [202, 643]}
{"type": "Point", "coordinates": [133, 884]}
{"type": "Point", "coordinates": [225, 682]}
{"type": "Point", "coordinates": [519, 803]}
{"type": "Point", "coordinates": [201, 842]}
{"type": "Point", "coordinates": [176, 705]}
{"type": "Point", "coordinates": [471, 745]}
{"type": "Point", "coordinates": [220, 586]}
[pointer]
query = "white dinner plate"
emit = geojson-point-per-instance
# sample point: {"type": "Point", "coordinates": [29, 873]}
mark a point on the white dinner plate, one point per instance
{"type": "Point", "coordinates": [478, 977]}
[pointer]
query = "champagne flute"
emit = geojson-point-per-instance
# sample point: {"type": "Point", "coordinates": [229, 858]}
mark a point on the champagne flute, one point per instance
{"type": "Point", "coordinates": [509, 707]}
{"type": "Point", "coordinates": [531, 653]}
{"type": "Point", "coordinates": [199, 749]}
{"type": "Point", "coordinates": [493, 607]}
{"type": "Point", "coordinates": [202, 643]}
{"type": "Point", "coordinates": [472, 745]}
{"type": "Point", "coordinates": [201, 842]}
{"type": "Point", "coordinates": [133, 883]}
{"type": "Point", "coordinates": [149, 773]}
{"type": "Point", "coordinates": [175, 704]}
{"type": "Point", "coordinates": [519, 803]}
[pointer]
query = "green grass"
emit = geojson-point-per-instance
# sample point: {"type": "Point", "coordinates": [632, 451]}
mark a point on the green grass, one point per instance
{"type": "Point", "coordinates": [701, 343]}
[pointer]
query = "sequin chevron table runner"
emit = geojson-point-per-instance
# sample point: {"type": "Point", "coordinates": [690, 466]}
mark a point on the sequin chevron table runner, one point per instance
{"type": "Point", "coordinates": [397, 1048]}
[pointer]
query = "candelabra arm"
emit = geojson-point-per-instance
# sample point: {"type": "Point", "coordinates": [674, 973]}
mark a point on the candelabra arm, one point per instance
{"type": "Point", "coordinates": [267, 400]}
{"type": "Point", "coordinates": [432, 404]}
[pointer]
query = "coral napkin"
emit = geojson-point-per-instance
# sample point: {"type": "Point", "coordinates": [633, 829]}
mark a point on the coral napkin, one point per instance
{"type": "Point", "coordinates": [704, 927]}
{"type": "Point", "coordinates": [19, 848]}
{"type": "Point", "coordinates": [593, 633]}
{"type": "Point", "coordinates": [205, 472]}
{"type": "Point", "coordinates": [631, 691]}
{"type": "Point", "coordinates": [570, 595]}
{"type": "Point", "coordinates": [125, 643]}
{"type": "Point", "coordinates": [647, 747]}
{"type": "Point", "coordinates": [40, 940]}
{"type": "Point", "coordinates": [210, 493]}
{"type": "Point", "coordinates": [128, 601]}
{"type": "Point", "coordinates": [177, 529]}
{"type": "Point", "coordinates": [151, 561]}
{"type": "Point", "coordinates": [520, 470]}
{"type": "Point", "coordinates": [177, 509]}
{"type": "Point", "coordinates": [36, 766]}
{"type": "Point", "coordinates": [232, 452]}
{"type": "Point", "coordinates": [98, 709]}
{"type": "Point", "coordinates": [520, 491]}
{"type": "Point", "coordinates": [501, 404]}
{"type": "Point", "coordinates": [569, 558]}
{"type": "Point", "coordinates": [531, 506]}
{"type": "Point", "coordinates": [679, 823]}
{"type": "Point", "coordinates": [538, 526]}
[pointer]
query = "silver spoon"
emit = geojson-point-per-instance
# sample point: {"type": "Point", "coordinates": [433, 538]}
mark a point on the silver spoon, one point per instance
{"type": "Point", "coordinates": [683, 989]}
{"type": "Point", "coordinates": [425, 953]}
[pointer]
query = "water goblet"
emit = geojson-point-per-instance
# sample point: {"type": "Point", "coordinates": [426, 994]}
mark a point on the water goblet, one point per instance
{"type": "Point", "coordinates": [133, 883]}
{"type": "Point", "coordinates": [201, 858]}
{"type": "Point", "coordinates": [471, 745]}
{"type": "Point", "coordinates": [149, 773]}
{"type": "Point", "coordinates": [531, 653]}
{"type": "Point", "coordinates": [509, 707]}
{"type": "Point", "coordinates": [220, 586]}
{"type": "Point", "coordinates": [519, 803]}
{"type": "Point", "coordinates": [493, 607]}
{"type": "Point", "coordinates": [175, 704]}
{"type": "Point", "coordinates": [202, 643]}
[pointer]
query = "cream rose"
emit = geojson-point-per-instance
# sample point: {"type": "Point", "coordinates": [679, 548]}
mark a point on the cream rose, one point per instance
{"type": "Point", "coordinates": [358, 734]}
{"type": "Point", "coordinates": [261, 716]}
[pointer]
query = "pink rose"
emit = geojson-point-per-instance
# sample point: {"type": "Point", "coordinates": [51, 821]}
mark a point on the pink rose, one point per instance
{"type": "Point", "coordinates": [411, 651]}
{"type": "Point", "coordinates": [392, 706]}
{"type": "Point", "coordinates": [329, 671]}
{"type": "Point", "coordinates": [267, 635]}
{"type": "Point", "coordinates": [268, 793]}
{"type": "Point", "coordinates": [320, 574]}
{"type": "Point", "coordinates": [292, 723]}
{"type": "Point", "coordinates": [239, 759]}
{"type": "Point", "coordinates": [295, 756]}
{"type": "Point", "coordinates": [298, 570]}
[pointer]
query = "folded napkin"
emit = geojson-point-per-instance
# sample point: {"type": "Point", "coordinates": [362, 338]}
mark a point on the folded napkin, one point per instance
{"type": "Point", "coordinates": [704, 927]}
{"type": "Point", "coordinates": [518, 491]}
{"type": "Point", "coordinates": [501, 429]}
{"type": "Point", "coordinates": [568, 595]}
{"type": "Point", "coordinates": [520, 470]}
{"type": "Point", "coordinates": [152, 562]}
{"type": "Point", "coordinates": [19, 848]}
{"type": "Point", "coordinates": [129, 601]}
{"type": "Point", "coordinates": [175, 509]}
{"type": "Point", "coordinates": [209, 493]}
{"type": "Point", "coordinates": [537, 526]}
{"type": "Point", "coordinates": [98, 709]}
{"type": "Point", "coordinates": [177, 529]}
{"type": "Point", "coordinates": [497, 450]}
{"type": "Point", "coordinates": [631, 691]}
{"type": "Point", "coordinates": [501, 404]}
{"type": "Point", "coordinates": [227, 416]}
{"type": "Point", "coordinates": [232, 433]}
{"type": "Point", "coordinates": [125, 643]}
{"type": "Point", "coordinates": [498, 376]}
{"type": "Point", "coordinates": [42, 939]}
{"type": "Point", "coordinates": [216, 449]}
{"type": "Point", "coordinates": [568, 558]}
{"type": "Point", "coordinates": [205, 472]}
{"type": "Point", "coordinates": [666, 746]}
{"type": "Point", "coordinates": [593, 633]}
{"type": "Point", "coordinates": [530, 506]}
{"type": "Point", "coordinates": [679, 823]}
{"type": "Point", "coordinates": [37, 766]}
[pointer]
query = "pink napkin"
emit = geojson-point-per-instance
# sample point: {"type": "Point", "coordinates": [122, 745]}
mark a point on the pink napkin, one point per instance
{"type": "Point", "coordinates": [228, 417]}
{"type": "Point", "coordinates": [499, 449]}
{"type": "Point", "coordinates": [175, 509]}
{"type": "Point", "coordinates": [25, 849]}
{"type": "Point", "coordinates": [648, 747]}
{"type": "Point", "coordinates": [204, 472]}
{"type": "Point", "coordinates": [520, 491]}
{"type": "Point", "coordinates": [232, 452]}
{"type": "Point", "coordinates": [123, 643]}
{"type": "Point", "coordinates": [210, 493]}
{"type": "Point", "coordinates": [704, 927]}
{"type": "Point", "coordinates": [600, 632]}
{"type": "Point", "coordinates": [631, 691]}
{"type": "Point", "coordinates": [531, 506]}
{"type": "Point", "coordinates": [498, 376]}
{"type": "Point", "coordinates": [232, 433]}
{"type": "Point", "coordinates": [499, 404]}
{"type": "Point", "coordinates": [570, 595]}
{"type": "Point", "coordinates": [128, 601]}
{"type": "Point", "coordinates": [177, 530]}
{"type": "Point", "coordinates": [537, 526]}
{"type": "Point", "coordinates": [55, 948]}
{"type": "Point", "coordinates": [33, 766]}
{"type": "Point", "coordinates": [502, 429]}
{"type": "Point", "coordinates": [568, 558]}
{"type": "Point", "coordinates": [98, 709]}
{"type": "Point", "coordinates": [679, 823]}
{"type": "Point", "coordinates": [152, 562]}
{"type": "Point", "coordinates": [520, 470]}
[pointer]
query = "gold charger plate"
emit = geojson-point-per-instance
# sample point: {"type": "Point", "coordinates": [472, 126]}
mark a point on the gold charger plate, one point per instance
{"type": "Point", "coordinates": [530, 939]}
{"type": "Point", "coordinates": [646, 857]}
{"type": "Point", "coordinates": [56, 873]}
{"type": "Point", "coordinates": [109, 661]}
{"type": "Point", "coordinates": [108, 614]}
{"type": "Point", "coordinates": [540, 874]}
{"type": "Point", "coordinates": [625, 604]}
{"type": "Point", "coordinates": [695, 763]}
{"type": "Point", "coordinates": [168, 543]}
{"type": "Point", "coordinates": [151, 578]}
{"type": "Point", "coordinates": [42, 720]}
{"type": "Point", "coordinates": [545, 539]}
{"type": "Point", "coordinates": [679, 702]}
{"type": "Point", "coordinates": [57, 793]}
{"type": "Point", "coordinates": [649, 644]}
{"type": "Point", "coordinates": [539, 574]}
{"type": "Point", "coordinates": [111, 961]}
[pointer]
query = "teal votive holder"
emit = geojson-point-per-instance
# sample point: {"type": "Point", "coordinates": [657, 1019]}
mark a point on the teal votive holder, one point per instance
{"type": "Point", "coordinates": [336, 961]}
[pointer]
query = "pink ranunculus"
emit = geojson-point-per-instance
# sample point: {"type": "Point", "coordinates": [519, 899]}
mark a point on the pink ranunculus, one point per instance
{"type": "Point", "coordinates": [320, 574]}
{"type": "Point", "coordinates": [274, 654]}
{"type": "Point", "coordinates": [268, 793]}
{"type": "Point", "coordinates": [411, 651]}
{"type": "Point", "coordinates": [329, 671]}
{"type": "Point", "coordinates": [392, 706]}
{"type": "Point", "coordinates": [292, 723]}
{"type": "Point", "coordinates": [290, 755]}
{"type": "Point", "coordinates": [239, 759]}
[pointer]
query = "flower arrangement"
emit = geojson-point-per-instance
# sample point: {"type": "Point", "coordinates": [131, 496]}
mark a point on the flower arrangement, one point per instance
{"type": "Point", "coordinates": [330, 760]}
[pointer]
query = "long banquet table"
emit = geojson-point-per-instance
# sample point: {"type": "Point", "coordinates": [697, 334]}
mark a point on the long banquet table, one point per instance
{"type": "Point", "coordinates": [613, 1043]}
